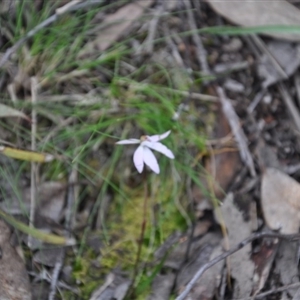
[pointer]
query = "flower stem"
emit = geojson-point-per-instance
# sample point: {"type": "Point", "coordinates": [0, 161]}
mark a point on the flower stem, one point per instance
{"type": "Point", "coordinates": [140, 244]}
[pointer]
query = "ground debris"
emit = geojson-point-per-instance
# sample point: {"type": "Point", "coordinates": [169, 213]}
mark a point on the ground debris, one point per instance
{"type": "Point", "coordinates": [14, 281]}
{"type": "Point", "coordinates": [238, 229]}
{"type": "Point", "coordinates": [280, 201]}
{"type": "Point", "coordinates": [260, 13]}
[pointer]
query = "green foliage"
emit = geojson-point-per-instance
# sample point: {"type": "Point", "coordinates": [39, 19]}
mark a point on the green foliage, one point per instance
{"type": "Point", "coordinates": [146, 100]}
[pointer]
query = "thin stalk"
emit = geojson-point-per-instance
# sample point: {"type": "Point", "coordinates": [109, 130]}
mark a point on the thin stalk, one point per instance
{"type": "Point", "coordinates": [140, 246]}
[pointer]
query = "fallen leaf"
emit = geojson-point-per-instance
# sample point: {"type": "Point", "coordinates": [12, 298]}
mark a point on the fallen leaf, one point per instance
{"type": "Point", "coordinates": [50, 200]}
{"type": "Point", "coordinates": [280, 200]}
{"type": "Point", "coordinates": [14, 281]}
{"type": "Point", "coordinates": [6, 111]}
{"type": "Point", "coordinates": [263, 260]}
{"type": "Point", "coordinates": [51, 196]}
{"type": "Point", "coordinates": [162, 286]}
{"type": "Point", "coordinates": [222, 166]}
{"type": "Point", "coordinates": [287, 264]}
{"type": "Point", "coordinates": [238, 229]}
{"type": "Point", "coordinates": [114, 25]}
{"type": "Point", "coordinates": [201, 252]}
{"type": "Point", "coordinates": [48, 257]}
{"type": "Point", "coordinates": [115, 287]}
{"type": "Point", "coordinates": [260, 13]}
{"type": "Point", "coordinates": [206, 286]}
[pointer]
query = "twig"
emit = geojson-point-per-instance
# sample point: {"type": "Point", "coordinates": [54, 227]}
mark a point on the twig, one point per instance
{"type": "Point", "coordinates": [174, 48]}
{"type": "Point", "coordinates": [292, 108]}
{"type": "Point", "coordinates": [55, 275]}
{"type": "Point", "coordinates": [73, 193]}
{"type": "Point", "coordinates": [297, 85]}
{"type": "Point", "coordinates": [201, 52]}
{"type": "Point", "coordinates": [60, 11]}
{"type": "Point", "coordinates": [264, 49]}
{"type": "Point", "coordinates": [256, 101]}
{"type": "Point", "coordinates": [275, 291]}
{"type": "Point", "coordinates": [255, 236]}
{"type": "Point", "coordinates": [34, 85]}
{"type": "Point", "coordinates": [148, 44]}
{"type": "Point", "coordinates": [237, 131]}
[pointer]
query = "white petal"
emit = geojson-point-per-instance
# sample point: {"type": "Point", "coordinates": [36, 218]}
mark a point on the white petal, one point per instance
{"type": "Point", "coordinates": [158, 137]}
{"type": "Point", "coordinates": [160, 148]}
{"type": "Point", "coordinates": [127, 142]}
{"type": "Point", "coordinates": [138, 158]}
{"type": "Point", "coordinates": [150, 160]}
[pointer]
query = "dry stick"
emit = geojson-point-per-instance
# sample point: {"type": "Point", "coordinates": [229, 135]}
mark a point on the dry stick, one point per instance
{"type": "Point", "coordinates": [275, 291]}
{"type": "Point", "coordinates": [237, 131]}
{"type": "Point", "coordinates": [264, 49]}
{"type": "Point", "coordinates": [60, 11]}
{"type": "Point", "coordinates": [34, 85]}
{"type": "Point", "coordinates": [201, 52]}
{"type": "Point", "coordinates": [292, 108]}
{"type": "Point", "coordinates": [251, 238]}
{"type": "Point", "coordinates": [297, 85]}
{"type": "Point", "coordinates": [55, 275]}
{"type": "Point", "coordinates": [148, 44]}
{"type": "Point", "coordinates": [69, 223]}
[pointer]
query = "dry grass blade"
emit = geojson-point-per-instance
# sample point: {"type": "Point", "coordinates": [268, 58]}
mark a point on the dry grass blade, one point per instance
{"type": "Point", "coordinates": [6, 111]}
{"type": "Point", "coordinates": [34, 169]}
{"type": "Point", "coordinates": [68, 7]}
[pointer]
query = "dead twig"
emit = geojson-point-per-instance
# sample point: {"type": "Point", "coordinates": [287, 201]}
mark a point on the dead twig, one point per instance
{"type": "Point", "coordinates": [34, 85]}
{"type": "Point", "coordinates": [264, 49]}
{"type": "Point", "coordinates": [237, 131]}
{"type": "Point", "coordinates": [279, 290]}
{"type": "Point", "coordinates": [201, 52]}
{"type": "Point", "coordinates": [71, 6]}
{"type": "Point", "coordinates": [55, 275]}
{"type": "Point", "coordinates": [148, 44]}
{"type": "Point", "coordinates": [292, 108]}
{"type": "Point", "coordinates": [255, 236]}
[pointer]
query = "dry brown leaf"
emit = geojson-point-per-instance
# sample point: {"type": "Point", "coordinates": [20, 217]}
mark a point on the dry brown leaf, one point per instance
{"type": "Point", "coordinates": [260, 13]}
{"type": "Point", "coordinates": [222, 166]}
{"type": "Point", "coordinates": [263, 260]}
{"type": "Point", "coordinates": [114, 26]}
{"type": "Point", "coordinates": [14, 281]}
{"type": "Point", "coordinates": [241, 265]}
{"type": "Point", "coordinates": [280, 199]}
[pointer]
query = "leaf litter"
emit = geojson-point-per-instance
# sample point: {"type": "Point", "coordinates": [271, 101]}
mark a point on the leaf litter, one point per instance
{"type": "Point", "coordinates": [233, 140]}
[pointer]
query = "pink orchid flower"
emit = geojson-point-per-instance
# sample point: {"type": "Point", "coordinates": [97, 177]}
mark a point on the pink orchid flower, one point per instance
{"type": "Point", "coordinates": [143, 154]}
